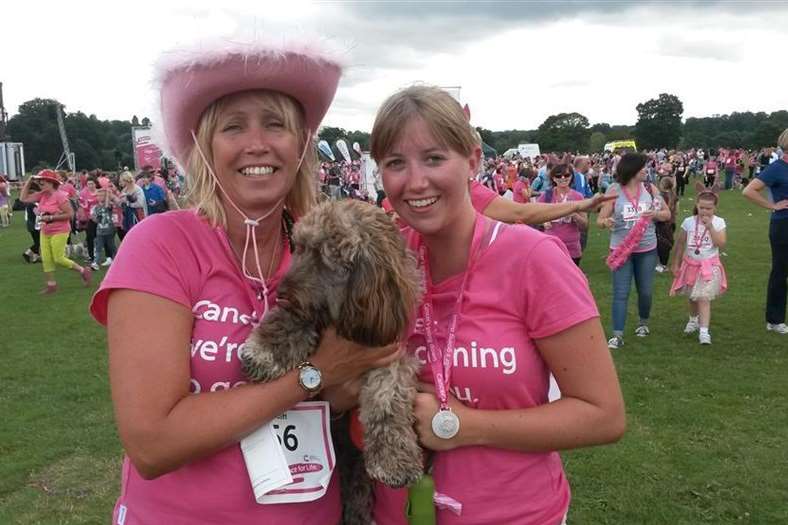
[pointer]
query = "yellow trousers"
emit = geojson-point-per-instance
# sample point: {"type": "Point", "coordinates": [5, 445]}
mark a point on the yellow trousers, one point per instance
{"type": "Point", "coordinates": [53, 251]}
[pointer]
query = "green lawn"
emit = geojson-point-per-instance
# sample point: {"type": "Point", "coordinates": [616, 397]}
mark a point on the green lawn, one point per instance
{"type": "Point", "coordinates": [705, 441]}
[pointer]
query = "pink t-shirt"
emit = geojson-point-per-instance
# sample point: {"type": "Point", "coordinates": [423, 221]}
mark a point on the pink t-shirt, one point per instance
{"type": "Point", "coordinates": [481, 196]}
{"type": "Point", "coordinates": [87, 199]}
{"type": "Point", "coordinates": [564, 228]}
{"type": "Point", "coordinates": [518, 189]}
{"type": "Point", "coordinates": [180, 257]}
{"type": "Point", "coordinates": [69, 190]}
{"type": "Point", "coordinates": [523, 287]}
{"type": "Point", "coordinates": [52, 203]}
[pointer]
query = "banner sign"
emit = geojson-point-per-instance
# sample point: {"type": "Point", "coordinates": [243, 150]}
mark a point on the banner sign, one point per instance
{"type": "Point", "coordinates": [528, 150]}
{"type": "Point", "coordinates": [146, 153]}
{"type": "Point", "coordinates": [342, 147]}
{"type": "Point", "coordinates": [325, 149]}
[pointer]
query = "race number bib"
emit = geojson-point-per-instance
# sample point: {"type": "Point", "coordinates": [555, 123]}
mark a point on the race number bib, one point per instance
{"type": "Point", "coordinates": [291, 458]}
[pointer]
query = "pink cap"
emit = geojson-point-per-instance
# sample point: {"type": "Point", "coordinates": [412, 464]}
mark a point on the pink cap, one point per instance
{"type": "Point", "coordinates": [192, 79]}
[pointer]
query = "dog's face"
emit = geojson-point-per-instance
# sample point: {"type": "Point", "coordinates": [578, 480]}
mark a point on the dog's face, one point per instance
{"type": "Point", "coordinates": [350, 267]}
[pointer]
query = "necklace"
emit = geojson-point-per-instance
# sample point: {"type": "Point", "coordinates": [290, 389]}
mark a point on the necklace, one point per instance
{"type": "Point", "coordinates": [696, 238]}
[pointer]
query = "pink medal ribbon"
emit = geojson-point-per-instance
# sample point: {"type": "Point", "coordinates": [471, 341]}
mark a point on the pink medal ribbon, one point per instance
{"type": "Point", "coordinates": [445, 423]}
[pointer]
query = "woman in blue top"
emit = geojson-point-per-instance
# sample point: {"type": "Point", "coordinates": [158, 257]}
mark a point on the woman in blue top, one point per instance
{"type": "Point", "coordinates": [636, 200]}
{"type": "Point", "coordinates": [775, 177]}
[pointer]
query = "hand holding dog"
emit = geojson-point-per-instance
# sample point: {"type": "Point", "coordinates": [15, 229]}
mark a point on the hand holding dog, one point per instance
{"type": "Point", "coordinates": [341, 361]}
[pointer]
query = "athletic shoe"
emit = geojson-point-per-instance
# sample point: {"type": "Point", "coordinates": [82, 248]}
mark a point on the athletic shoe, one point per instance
{"type": "Point", "coordinates": [660, 268]}
{"type": "Point", "coordinates": [107, 261]}
{"type": "Point", "coordinates": [642, 331]}
{"type": "Point", "coordinates": [26, 256]}
{"type": "Point", "coordinates": [779, 328]}
{"type": "Point", "coordinates": [49, 290]}
{"type": "Point", "coordinates": [615, 342]}
{"type": "Point", "coordinates": [692, 326]}
{"type": "Point", "coordinates": [704, 338]}
{"type": "Point", "coordinates": [87, 276]}
{"type": "Point", "coordinates": [94, 266]}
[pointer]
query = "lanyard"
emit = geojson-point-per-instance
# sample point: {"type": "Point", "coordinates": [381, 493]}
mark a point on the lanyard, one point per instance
{"type": "Point", "coordinates": [441, 360]}
{"type": "Point", "coordinates": [636, 201]}
{"type": "Point", "coordinates": [698, 239]}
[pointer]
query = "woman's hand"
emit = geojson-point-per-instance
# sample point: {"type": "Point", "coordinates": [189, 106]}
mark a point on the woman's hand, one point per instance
{"type": "Point", "coordinates": [425, 406]}
{"type": "Point", "coordinates": [606, 222]}
{"type": "Point", "coordinates": [596, 201]}
{"type": "Point", "coordinates": [340, 360]}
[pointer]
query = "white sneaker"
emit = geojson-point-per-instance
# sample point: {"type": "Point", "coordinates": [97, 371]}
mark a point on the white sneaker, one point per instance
{"type": "Point", "coordinates": [692, 326]}
{"type": "Point", "coordinates": [615, 342]}
{"type": "Point", "coordinates": [660, 268]}
{"type": "Point", "coordinates": [642, 331]}
{"type": "Point", "coordinates": [94, 266]}
{"type": "Point", "coordinates": [779, 328]}
{"type": "Point", "coordinates": [704, 338]}
{"type": "Point", "coordinates": [107, 261]}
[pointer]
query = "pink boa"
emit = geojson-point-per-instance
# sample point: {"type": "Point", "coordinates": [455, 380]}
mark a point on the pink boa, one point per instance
{"type": "Point", "coordinates": [621, 253]}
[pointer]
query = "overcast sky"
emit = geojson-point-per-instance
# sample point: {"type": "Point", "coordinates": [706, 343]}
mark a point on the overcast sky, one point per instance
{"type": "Point", "coordinates": [516, 62]}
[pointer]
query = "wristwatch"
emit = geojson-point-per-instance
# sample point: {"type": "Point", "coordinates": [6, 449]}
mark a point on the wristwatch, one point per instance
{"type": "Point", "coordinates": [309, 378]}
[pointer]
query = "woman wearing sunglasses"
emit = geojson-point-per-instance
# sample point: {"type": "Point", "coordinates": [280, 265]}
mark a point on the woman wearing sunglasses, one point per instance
{"type": "Point", "coordinates": [566, 228]}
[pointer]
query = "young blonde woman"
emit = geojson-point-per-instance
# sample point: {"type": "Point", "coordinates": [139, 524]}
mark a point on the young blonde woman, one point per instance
{"type": "Point", "coordinates": [240, 116]}
{"type": "Point", "coordinates": [504, 306]}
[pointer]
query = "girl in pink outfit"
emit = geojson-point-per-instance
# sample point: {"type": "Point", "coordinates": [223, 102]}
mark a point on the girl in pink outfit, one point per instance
{"type": "Point", "coordinates": [700, 276]}
{"type": "Point", "coordinates": [487, 333]}
{"type": "Point", "coordinates": [568, 228]}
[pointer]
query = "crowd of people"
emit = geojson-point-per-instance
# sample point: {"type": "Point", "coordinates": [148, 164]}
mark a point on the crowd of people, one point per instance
{"type": "Point", "coordinates": [199, 278]}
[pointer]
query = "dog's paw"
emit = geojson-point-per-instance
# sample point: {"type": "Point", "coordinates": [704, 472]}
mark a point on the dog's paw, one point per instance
{"type": "Point", "coordinates": [259, 366]}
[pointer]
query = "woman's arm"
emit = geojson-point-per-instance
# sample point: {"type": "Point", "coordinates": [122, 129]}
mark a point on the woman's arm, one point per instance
{"type": "Point", "coordinates": [605, 217]}
{"type": "Point", "coordinates": [537, 212]}
{"type": "Point", "coordinates": [25, 195]}
{"type": "Point", "coordinates": [753, 193]}
{"type": "Point", "coordinates": [678, 254]}
{"type": "Point", "coordinates": [664, 213]}
{"type": "Point", "coordinates": [161, 424]}
{"type": "Point", "coordinates": [590, 412]}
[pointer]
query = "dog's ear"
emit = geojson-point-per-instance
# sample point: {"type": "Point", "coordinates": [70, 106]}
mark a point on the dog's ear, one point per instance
{"type": "Point", "coordinates": [382, 290]}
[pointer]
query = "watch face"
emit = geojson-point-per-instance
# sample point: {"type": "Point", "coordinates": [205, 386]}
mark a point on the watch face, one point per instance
{"type": "Point", "coordinates": [310, 378]}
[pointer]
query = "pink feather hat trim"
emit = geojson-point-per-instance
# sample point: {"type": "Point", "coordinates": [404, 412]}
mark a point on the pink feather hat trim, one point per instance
{"type": "Point", "coordinates": [621, 253]}
{"type": "Point", "coordinates": [191, 79]}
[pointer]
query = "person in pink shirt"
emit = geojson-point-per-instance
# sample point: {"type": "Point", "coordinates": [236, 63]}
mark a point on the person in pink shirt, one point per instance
{"type": "Point", "coordinates": [488, 333]}
{"type": "Point", "coordinates": [522, 188]}
{"type": "Point", "coordinates": [88, 198]}
{"type": "Point", "coordinates": [199, 280]}
{"type": "Point", "coordinates": [568, 228]}
{"type": "Point", "coordinates": [54, 213]}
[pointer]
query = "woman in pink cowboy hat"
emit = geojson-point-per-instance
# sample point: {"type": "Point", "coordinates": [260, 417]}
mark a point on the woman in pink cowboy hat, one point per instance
{"type": "Point", "coordinates": [54, 214]}
{"type": "Point", "coordinates": [240, 118]}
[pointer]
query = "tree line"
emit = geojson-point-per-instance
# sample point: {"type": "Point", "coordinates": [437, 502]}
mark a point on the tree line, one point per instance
{"type": "Point", "coordinates": [107, 144]}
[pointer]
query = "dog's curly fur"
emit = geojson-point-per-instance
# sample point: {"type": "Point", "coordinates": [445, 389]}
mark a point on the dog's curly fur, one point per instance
{"type": "Point", "coordinates": [350, 270]}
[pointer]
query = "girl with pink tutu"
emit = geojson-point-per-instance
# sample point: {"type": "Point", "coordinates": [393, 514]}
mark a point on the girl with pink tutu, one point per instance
{"type": "Point", "coordinates": [700, 275]}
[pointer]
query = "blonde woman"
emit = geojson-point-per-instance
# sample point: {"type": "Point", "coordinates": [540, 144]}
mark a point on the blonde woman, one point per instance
{"type": "Point", "coordinates": [241, 116]}
{"type": "Point", "coordinates": [504, 306]}
{"type": "Point", "coordinates": [132, 201]}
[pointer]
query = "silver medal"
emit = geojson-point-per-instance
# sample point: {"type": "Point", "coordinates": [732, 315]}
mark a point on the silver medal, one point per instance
{"type": "Point", "coordinates": [445, 424]}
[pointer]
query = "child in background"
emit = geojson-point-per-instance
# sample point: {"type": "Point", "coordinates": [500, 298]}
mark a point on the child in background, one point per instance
{"type": "Point", "coordinates": [666, 229]}
{"type": "Point", "coordinates": [700, 275]}
{"type": "Point", "coordinates": [5, 194]}
{"type": "Point", "coordinates": [102, 215]}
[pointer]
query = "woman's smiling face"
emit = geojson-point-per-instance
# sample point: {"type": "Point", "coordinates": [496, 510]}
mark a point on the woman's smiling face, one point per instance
{"type": "Point", "coordinates": [426, 182]}
{"type": "Point", "coordinates": [255, 155]}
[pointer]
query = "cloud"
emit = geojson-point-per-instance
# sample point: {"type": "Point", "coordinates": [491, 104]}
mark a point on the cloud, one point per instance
{"type": "Point", "coordinates": [680, 47]}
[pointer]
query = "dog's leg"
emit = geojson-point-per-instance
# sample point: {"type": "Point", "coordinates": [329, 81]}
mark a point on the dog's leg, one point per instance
{"type": "Point", "coordinates": [391, 450]}
{"type": "Point", "coordinates": [277, 346]}
{"type": "Point", "coordinates": [355, 486]}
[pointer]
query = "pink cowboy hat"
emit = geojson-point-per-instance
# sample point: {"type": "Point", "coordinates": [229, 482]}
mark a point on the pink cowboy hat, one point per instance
{"type": "Point", "coordinates": [191, 79]}
{"type": "Point", "coordinates": [49, 176]}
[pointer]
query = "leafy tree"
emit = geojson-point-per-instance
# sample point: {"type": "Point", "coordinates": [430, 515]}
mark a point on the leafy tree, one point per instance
{"type": "Point", "coordinates": [146, 121]}
{"type": "Point", "coordinates": [135, 121]}
{"type": "Point", "coordinates": [564, 132]}
{"type": "Point", "coordinates": [597, 141]}
{"type": "Point", "coordinates": [659, 122]}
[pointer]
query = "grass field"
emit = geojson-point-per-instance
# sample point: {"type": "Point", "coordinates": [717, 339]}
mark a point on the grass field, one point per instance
{"type": "Point", "coordinates": [707, 426]}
